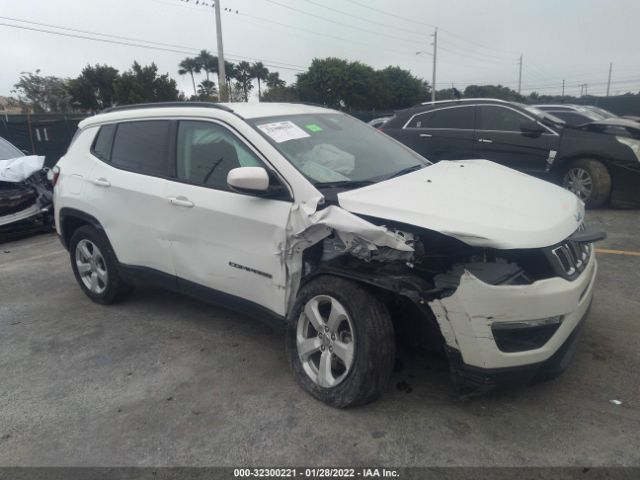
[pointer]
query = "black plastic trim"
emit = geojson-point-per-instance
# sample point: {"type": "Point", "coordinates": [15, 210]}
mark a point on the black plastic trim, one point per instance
{"type": "Point", "coordinates": [66, 212]}
{"type": "Point", "coordinates": [148, 276]}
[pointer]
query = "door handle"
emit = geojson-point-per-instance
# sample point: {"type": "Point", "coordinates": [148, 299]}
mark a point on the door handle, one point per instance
{"type": "Point", "coordinates": [181, 202]}
{"type": "Point", "coordinates": [426, 135]}
{"type": "Point", "coordinates": [101, 182]}
{"type": "Point", "coordinates": [485, 140]}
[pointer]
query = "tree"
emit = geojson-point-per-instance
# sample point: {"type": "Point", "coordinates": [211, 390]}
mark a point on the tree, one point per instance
{"type": "Point", "coordinates": [259, 72]}
{"type": "Point", "coordinates": [398, 88]}
{"type": "Point", "coordinates": [208, 63]}
{"type": "Point", "coordinates": [190, 65]}
{"type": "Point", "coordinates": [43, 94]}
{"type": "Point", "coordinates": [281, 94]}
{"type": "Point", "coordinates": [493, 91]}
{"type": "Point", "coordinates": [244, 75]}
{"type": "Point", "coordinates": [142, 84]}
{"type": "Point", "coordinates": [207, 91]}
{"type": "Point", "coordinates": [93, 89]}
{"type": "Point", "coordinates": [273, 80]}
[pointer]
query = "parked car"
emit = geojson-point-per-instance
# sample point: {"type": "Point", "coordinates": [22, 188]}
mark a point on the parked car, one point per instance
{"type": "Point", "coordinates": [378, 122]}
{"type": "Point", "coordinates": [598, 161]}
{"type": "Point", "coordinates": [575, 115]}
{"type": "Point", "coordinates": [25, 193]}
{"type": "Point", "coordinates": [305, 216]}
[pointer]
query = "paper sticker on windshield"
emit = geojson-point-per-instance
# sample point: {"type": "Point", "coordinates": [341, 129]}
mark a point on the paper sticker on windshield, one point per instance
{"type": "Point", "coordinates": [312, 127]}
{"type": "Point", "coordinates": [283, 131]}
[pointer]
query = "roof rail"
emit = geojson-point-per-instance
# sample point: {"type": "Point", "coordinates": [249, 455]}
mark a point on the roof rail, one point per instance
{"type": "Point", "coordinates": [465, 100]}
{"type": "Point", "coordinates": [137, 106]}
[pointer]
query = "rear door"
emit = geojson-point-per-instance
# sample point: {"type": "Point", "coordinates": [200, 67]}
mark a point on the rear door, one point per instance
{"type": "Point", "coordinates": [444, 133]}
{"type": "Point", "coordinates": [227, 242]}
{"type": "Point", "coordinates": [498, 138]}
{"type": "Point", "coordinates": [125, 191]}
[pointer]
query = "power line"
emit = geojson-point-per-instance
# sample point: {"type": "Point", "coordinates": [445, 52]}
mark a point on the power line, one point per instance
{"type": "Point", "coordinates": [304, 12]}
{"type": "Point", "coordinates": [373, 22]}
{"type": "Point", "coordinates": [130, 44]}
{"type": "Point", "coordinates": [430, 25]}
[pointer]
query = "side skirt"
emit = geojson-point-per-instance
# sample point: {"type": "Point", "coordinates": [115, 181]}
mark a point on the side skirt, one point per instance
{"type": "Point", "coordinates": [147, 276]}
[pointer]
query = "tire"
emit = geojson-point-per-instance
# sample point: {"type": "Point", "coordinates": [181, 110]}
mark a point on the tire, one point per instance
{"type": "Point", "coordinates": [590, 180]}
{"type": "Point", "coordinates": [363, 328]}
{"type": "Point", "coordinates": [94, 265]}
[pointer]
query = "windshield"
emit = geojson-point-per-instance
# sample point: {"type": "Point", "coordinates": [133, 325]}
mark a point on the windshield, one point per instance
{"type": "Point", "coordinates": [8, 151]}
{"type": "Point", "coordinates": [602, 112]}
{"type": "Point", "coordinates": [332, 149]}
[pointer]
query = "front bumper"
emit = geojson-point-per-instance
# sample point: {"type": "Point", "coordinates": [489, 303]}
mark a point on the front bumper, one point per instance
{"type": "Point", "coordinates": [21, 215]}
{"type": "Point", "coordinates": [466, 318]}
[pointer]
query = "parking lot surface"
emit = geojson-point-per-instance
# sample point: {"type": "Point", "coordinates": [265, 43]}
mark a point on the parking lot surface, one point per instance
{"type": "Point", "coordinates": [165, 380]}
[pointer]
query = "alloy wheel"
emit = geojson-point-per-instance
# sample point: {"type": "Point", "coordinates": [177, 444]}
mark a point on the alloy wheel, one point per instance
{"type": "Point", "coordinates": [579, 181]}
{"type": "Point", "coordinates": [325, 341]}
{"type": "Point", "coordinates": [91, 266]}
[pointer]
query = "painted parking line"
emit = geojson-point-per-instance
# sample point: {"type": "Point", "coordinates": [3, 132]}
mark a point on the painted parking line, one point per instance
{"type": "Point", "coordinates": [617, 252]}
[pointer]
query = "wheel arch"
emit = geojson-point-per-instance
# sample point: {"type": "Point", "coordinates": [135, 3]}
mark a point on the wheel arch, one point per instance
{"type": "Point", "coordinates": [561, 164]}
{"type": "Point", "coordinates": [72, 219]}
{"type": "Point", "coordinates": [404, 296]}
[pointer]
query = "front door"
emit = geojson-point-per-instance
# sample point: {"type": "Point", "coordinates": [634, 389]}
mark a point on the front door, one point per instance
{"type": "Point", "coordinates": [222, 240]}
{"type": "Point", "coordinates": [499, 139]}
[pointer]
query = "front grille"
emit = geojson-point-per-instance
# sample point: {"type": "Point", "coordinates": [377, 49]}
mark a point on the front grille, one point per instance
{"type": "Point", "coordinates": [570, 258]}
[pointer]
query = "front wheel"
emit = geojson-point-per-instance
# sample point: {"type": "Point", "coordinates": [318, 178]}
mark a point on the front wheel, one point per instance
{"type": "Point", "coordinates": [340, 342]}
{"type": "Point", "coordinates": [589, 180]}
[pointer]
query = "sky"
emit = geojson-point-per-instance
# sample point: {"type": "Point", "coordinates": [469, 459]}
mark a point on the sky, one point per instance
{"type": "Point", "coordinates": [479, 41]}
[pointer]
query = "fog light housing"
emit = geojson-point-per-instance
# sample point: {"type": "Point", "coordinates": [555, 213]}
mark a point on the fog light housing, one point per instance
{"type": "Point", "coordinates": [522, 335]}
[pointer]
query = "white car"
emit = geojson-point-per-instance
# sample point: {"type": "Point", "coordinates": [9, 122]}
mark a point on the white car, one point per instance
{"type": "Point", "coordinates": [310, 218]}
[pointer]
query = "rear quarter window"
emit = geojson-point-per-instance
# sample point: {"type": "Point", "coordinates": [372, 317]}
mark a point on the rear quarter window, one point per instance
{"type": "Point", "coordinates": [102, 144]}
{"type": "Point", "coordinates": [142, 147]}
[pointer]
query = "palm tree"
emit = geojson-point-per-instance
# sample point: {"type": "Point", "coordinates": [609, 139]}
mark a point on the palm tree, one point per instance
{"type": "Point", "coordinates": [208, 62]}
{"type": "Point", "coordinates": [244, 75]}
{"type": "Point", "coordinates": [259, 72]}
{"type": "Point", "coordinates": [207, 90]}
{"type": "Point", "coordinates": [190, 65]}
{"type": "Point", "coordinates": [274, 80]}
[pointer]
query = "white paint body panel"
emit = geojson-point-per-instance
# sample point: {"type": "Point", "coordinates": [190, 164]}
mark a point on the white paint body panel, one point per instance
{"type": "Point", "coordinates": [477, 201]}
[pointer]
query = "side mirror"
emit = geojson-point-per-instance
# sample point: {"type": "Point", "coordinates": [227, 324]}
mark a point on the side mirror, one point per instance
{"type": "Point", "coordinates": [531, 128]}
{"type": "Point", "coordinates": [248, 180]}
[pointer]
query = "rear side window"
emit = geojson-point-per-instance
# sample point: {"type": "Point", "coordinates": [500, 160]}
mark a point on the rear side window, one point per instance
{"type": "Point", "coordinates": [499, 118]}
{"type": "Point", "coordinates": [142, 147]}
{"type": "Point", "coordinates": [459, 118]}
{"type": "Point", "coordinates": [103, 142]}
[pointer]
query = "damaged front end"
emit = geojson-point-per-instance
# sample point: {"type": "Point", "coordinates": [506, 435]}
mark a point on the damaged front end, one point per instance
{"type": "Point", "coordinates": [26, 197]}
{"type": "Point", "coordinates": [501, 315]}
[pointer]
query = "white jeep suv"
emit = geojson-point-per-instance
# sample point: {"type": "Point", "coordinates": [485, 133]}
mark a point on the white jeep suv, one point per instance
{"type": "Point", "coordinates": [307, 217]}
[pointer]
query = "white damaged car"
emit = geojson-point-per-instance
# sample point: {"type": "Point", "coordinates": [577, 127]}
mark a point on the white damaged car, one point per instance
{"type": "Point", "coordinates": [307, 217]}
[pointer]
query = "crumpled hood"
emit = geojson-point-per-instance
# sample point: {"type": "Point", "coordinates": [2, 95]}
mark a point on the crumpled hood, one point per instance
{"type": "Point", "coordinates": [476, 201]}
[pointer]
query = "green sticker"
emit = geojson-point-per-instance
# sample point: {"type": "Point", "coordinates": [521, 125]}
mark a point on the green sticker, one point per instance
{"type": "Point", "coordinates": [312, 127]}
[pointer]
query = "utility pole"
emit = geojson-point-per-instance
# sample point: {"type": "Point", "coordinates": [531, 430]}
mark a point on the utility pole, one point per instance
{"type": "Point", "coordinates": [520, 75]}
{"type": "Point", "coordinates": [563, 87]}
{"type": "Point", "coordinates": [609, 81]}
{"type": "Point", "coordinates": [435, 52]}
{"type": "Point", "coordinates": [222, 77]}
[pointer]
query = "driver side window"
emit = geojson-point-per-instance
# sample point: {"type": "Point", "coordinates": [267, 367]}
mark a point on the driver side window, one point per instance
{"type": "Point", "coordinates": [492, 117]}
{"type": "Point", "coordinates": [206, 152]}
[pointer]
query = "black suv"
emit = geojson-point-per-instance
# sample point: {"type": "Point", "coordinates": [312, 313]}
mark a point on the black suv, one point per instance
{"type": "Point", "coordinates": [598, 161]}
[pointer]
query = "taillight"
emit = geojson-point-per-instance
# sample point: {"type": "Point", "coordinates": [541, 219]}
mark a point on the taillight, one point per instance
{"type": "Point", "coordinates": [55, 174]}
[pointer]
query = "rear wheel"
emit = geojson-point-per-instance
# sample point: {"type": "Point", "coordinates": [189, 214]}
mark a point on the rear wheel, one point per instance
{"type": "Point", "coordinates": [589, 180]}
{"type": "Point", "coordinates": [340, 342]}
{"type": "Point", "coordinates": [95, 267]}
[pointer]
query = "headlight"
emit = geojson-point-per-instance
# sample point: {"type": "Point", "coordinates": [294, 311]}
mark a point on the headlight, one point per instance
{"type": "Point", "coordinates": [632, 143]}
